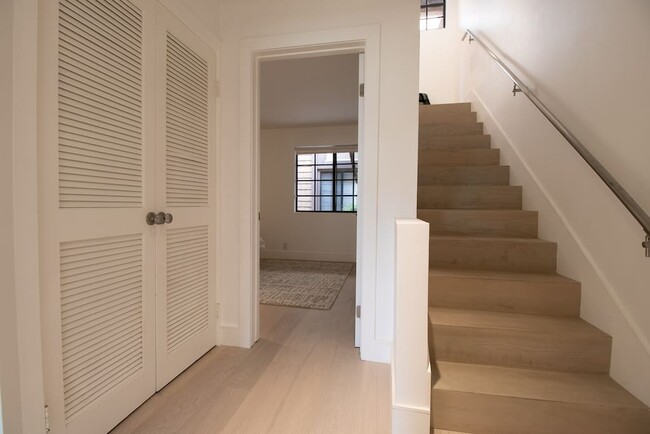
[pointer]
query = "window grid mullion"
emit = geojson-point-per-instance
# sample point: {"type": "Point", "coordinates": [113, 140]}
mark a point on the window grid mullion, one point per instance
{"type": "Point", "coordinates": [334, 182]}
{"type": "Point", "coordinates": [303, 194]}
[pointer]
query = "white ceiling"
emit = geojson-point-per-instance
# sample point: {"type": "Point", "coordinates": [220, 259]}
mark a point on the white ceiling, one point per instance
{"type": "Point", "coordinates": [309, 91]}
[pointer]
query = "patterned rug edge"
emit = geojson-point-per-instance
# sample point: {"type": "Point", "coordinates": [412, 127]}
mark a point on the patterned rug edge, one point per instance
{"type": "Point", "coordinates": [302, 306]}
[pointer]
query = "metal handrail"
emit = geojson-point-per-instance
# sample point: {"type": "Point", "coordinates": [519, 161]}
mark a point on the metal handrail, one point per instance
{"type": "Point", "coordinates": [632, 206]}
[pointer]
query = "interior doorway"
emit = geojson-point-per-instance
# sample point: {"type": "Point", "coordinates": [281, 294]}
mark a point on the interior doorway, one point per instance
{"type": "Point", "coordinates": [309, 189]}
{"type": "Point", "coordinates": [366, 40]}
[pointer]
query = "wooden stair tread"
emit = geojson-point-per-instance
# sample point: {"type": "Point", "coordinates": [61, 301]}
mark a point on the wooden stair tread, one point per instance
{"type": "Point", "coordinates": [449, 107]}
{"type": "Point", "coordinates": [487, 239]}
{"type": "Point", "coordinates": [450, 129]}
{"type": "Point", "coordinates": [445, 431]}
{"type": "Point", "coordinates": [473, 141]}
{"type": "Point", "coordinates": [461, 188]}
{"type": "Point", "coordinates": [566, 326]}
{"type": "Point", "coordinates": [515, 292]}
{"type": "Point", "coordinates": [452, 120]}
{"type": "Point", "coordinates": [480, 222]}
{"type": "Point", "coordinates": [458, 157]}
{"type": "Point", "coordinates": [502, 275]}
{"type": "Point", "coordinates": [533, 384]}
{"type": "Point", "coordinates": [428, 118]}
{"type": "Point", "coordinates": [464, 175]}
{"type": "Point", "coordinates": [492, 253]}
{"type": "Point", "coordinates": [495, 197]}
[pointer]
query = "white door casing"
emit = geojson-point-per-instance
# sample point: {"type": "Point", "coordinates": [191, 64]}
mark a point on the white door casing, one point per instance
{"type": "Point", "coordinates": [185, 188]}
{"type": "Point", "coordinates": [360, 133]}
{"type": "Point", "coordinates": [125, 306]}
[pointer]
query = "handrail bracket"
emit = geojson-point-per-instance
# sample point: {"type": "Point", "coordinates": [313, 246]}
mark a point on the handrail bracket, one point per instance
{"type": "Point", "coordinates": [515, 89]}
{"type": "Point", "coordinates": [466, 34]}
{"type": "Point", "coordinates": [646, 246]}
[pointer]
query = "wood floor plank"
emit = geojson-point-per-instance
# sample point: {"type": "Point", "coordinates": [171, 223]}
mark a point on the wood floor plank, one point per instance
{"type": "Point", "coordinates": [303, 376]}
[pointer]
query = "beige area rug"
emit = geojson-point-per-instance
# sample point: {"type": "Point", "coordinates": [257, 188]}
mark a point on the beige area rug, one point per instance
{"type": "Point", "coordinates": [309, 284]}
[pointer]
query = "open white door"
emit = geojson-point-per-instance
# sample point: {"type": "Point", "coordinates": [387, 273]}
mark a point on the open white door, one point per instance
{"type": "Point", "coordinates": [185, 178]}
{"type": "Point", "coordinates": [96, 185]}
{"type": "Point", "coordinates": [357, 319]}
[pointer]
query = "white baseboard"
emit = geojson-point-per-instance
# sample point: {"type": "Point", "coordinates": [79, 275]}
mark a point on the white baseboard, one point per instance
{"type": "Point", "coordinates": [308, 255]}
{"type": "Point", "coordinates": [375, 350]}
{"type": "Point", "coordinates": [410, 420]}
{"type": "Point", "coordinates": [230, 336]}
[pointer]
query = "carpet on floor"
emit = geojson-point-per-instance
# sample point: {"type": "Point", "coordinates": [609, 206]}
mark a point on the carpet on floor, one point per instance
{"type": "Point", "coordinates": [308, 284]}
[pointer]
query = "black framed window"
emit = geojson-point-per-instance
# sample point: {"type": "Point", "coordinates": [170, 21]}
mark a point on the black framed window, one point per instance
{"type": "Point", "coordinates": [327, 181]}
{"type": "Point", "coordinates": [432, 14]}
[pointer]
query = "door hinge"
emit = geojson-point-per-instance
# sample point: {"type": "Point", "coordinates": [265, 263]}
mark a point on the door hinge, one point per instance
{"type": "Point", "coordinates": [362, 90]}
{"type": "Point", "coordinates": [47, 418]}
{"type": "Point", "coordinates": [217, 89]}
{"type": "Point", "coordinates": [218, 311]}
{"type": "Point", "coordinates": [358, 311]}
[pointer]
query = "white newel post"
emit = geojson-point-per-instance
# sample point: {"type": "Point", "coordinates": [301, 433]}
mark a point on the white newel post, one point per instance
{"type": "Point", "coordinates": [410, 371]}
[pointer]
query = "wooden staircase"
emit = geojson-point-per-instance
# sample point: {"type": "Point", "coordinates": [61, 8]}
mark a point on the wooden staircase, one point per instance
{"type": "Point", "coordinates": [508, 349]}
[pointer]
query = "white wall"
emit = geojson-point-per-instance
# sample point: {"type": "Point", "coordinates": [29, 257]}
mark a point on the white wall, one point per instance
{"type": "Point", "coordinates": [308, 236]}
{"type": "Point", "coordinates": [311, 91]}
{"type": "Point", "coordinates": [440, 59]}
{"type": "Point", "coordinates": [9, 382]}
{"type": "Point", "coordinates": [590, 64]}
{"type": "Point", "coordinates": [207, 12]}
{"type": "Point", "coordinates": [397, 135]}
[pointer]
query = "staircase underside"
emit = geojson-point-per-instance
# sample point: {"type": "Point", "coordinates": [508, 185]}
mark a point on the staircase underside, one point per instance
{"type": "Point", "coordinates": [509, 351]}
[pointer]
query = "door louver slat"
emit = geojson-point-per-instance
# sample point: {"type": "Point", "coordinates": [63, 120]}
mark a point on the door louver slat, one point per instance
{"type": "Point", "coordinates": [101, 317]}
{"type": "Point", "coordinates": [187, 126]}
{"type": "Point", "coordinates": [100, 104]}
{"type": "Point", "coordinates": [187, 284]}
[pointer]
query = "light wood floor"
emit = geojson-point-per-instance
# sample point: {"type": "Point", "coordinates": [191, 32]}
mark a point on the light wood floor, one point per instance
{"type": "Point", "coordinates": [303, 376]}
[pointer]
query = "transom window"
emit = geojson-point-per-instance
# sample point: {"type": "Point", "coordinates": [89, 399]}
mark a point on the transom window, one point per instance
{"type": "Point", "coordinates": [432, 14]}
{"type": "Point", "coordinates": [327, 181]}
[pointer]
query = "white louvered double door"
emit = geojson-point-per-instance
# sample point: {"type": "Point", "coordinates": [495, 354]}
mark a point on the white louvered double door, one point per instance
{"type": "Point", "coordinates": [185, 259]}
{"type": "Point", "coordinates": [127, 119]}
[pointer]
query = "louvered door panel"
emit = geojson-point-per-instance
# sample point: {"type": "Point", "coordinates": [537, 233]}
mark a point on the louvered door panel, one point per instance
{"type": "Point", "coordinates": [187, 125]}
{"type": "Point", "coordinates": [101, 317]}
{"type": "Point", "coordinates": [100, 104]}
{"type": "Point", "coordinates": [126, 127]}
{"type": "Point", "coordinates": [97, 183]}
{"type": "Point", "coordinates": [187, 284]}
{"type": "Point", "coordinates": [186, 302]}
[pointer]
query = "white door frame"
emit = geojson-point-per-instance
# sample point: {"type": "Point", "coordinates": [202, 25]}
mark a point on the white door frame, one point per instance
{"type": "Point", "coordinates": [24, 394]}
{"type": "Point", "coordinates": [361, 102]}
{"type": "Point", "coordinates": [339, 41]}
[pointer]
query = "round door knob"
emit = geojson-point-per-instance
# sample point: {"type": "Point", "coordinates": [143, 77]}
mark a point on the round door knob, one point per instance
{"type": "Point", "coordinates": [160, 218]}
